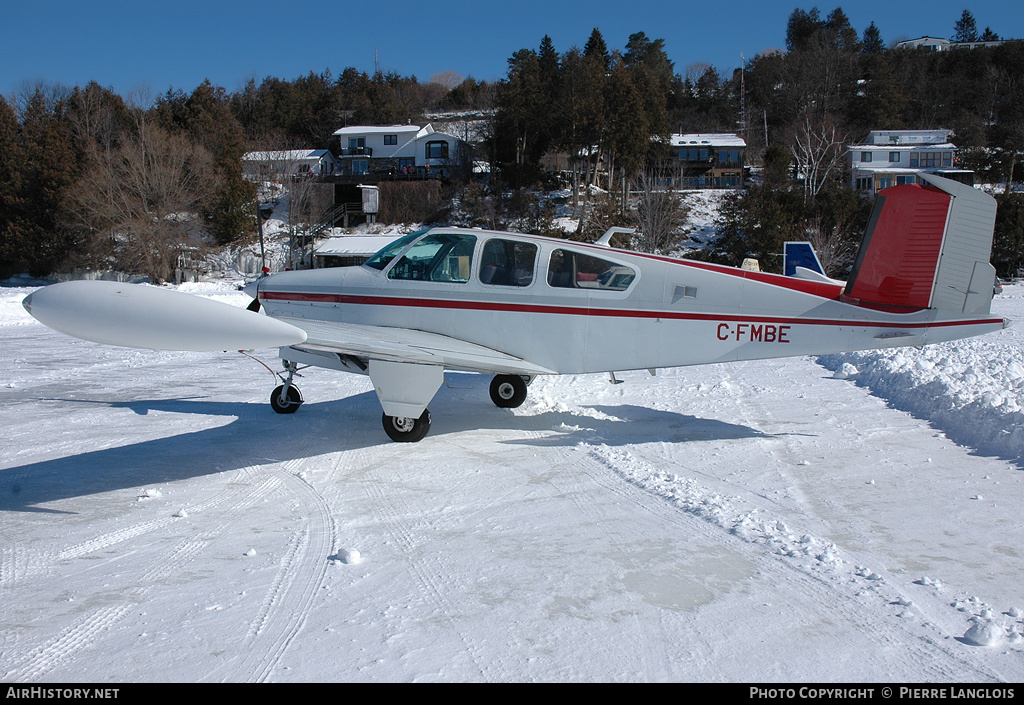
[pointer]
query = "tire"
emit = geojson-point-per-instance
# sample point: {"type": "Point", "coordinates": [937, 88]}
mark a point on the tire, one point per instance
{"type": "Point", "coordinates": [508, 391]}
{"type": "Point", "coordinates": [289, 406]}
{"type": "Point", "coordinates": [406, 430]}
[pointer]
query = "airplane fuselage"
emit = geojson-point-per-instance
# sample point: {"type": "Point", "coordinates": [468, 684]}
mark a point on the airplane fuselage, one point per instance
{"type": "Point", "coordinates": [661, 312]}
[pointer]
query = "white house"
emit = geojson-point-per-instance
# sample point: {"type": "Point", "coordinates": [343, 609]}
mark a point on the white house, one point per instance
{"type": "Point", "coordinates": [398, 149]}
{"type": "Point", "coordinates": [891, 157]}
{"type": "Point", "coordinates": [291, 163]}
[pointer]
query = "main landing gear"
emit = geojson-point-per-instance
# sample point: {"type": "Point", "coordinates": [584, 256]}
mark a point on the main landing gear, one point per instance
{"type": "Point", "coordinates": [407, 430]}
{"type": "Point", "coordinates": [508, 391]}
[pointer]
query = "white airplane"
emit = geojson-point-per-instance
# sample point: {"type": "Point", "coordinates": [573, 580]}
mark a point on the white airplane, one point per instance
{"type": "Point", "coordinates": [519, 306]}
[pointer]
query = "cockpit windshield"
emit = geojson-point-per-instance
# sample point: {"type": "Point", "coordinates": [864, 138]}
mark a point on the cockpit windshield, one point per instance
{"type": "Point", "coordinates": [383, 257]}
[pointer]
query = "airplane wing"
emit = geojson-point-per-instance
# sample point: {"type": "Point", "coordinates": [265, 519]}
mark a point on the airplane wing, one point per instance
{"type": "Point", "coordinates": [409, 346]}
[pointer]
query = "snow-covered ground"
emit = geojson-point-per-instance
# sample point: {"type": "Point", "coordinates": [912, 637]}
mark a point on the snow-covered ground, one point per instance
{"type": "Point", "coordinates": [849, 518]}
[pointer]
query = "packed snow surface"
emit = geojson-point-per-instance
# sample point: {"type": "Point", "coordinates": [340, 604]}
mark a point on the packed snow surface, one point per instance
{"type": "Point", "coordinates": [853, 517]}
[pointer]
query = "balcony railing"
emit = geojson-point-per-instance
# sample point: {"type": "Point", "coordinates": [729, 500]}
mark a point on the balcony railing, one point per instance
{"type": "Point", "coordinates": [357, 151]}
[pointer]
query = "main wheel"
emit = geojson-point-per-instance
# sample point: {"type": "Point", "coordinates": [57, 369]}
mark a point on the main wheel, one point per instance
{"type": "Point", "coordinates": [289, 405]}
{"type": "Point", "coordinates": [407, 430]}
{"type": "Point", "coordinates": [508, 391]}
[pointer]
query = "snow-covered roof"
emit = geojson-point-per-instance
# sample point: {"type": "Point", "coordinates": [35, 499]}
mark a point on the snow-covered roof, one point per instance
{"type": "Point", "coordinates": [707, 139]}
{"type": "Point", "coordinates": [287, 155]}
{"type": "Point", "coordinates": [381, 129]}
{"type": "Point", "coordinates": [355, 244]}
{"type": "Point", "coordinates": [904, 137]}
{"type": "Point", "coordinates": [902, 147]}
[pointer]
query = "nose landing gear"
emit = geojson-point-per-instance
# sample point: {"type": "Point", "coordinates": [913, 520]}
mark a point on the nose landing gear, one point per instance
{"type": "Point", "coordinates": [286, 399]}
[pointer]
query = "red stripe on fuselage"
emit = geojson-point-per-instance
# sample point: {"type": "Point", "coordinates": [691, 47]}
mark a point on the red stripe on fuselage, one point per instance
{"type": "Point", "coordinates": [463, 305]}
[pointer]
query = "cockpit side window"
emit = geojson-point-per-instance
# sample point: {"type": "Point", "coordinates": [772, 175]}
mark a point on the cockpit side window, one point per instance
{"type": "Point", "coordinates": [507, 263]}
{"type": "Point", "coordinates": [575, 270]}
{"type": "Point", "coordinates": [438, 257]}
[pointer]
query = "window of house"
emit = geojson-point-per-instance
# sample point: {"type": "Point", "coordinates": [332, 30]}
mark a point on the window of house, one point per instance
{"type": "Point", "coordinates": [437, 150]}
{"type": "Point", "coordinates": [439, 257]}
{"type": "Point", "coordinates": [864, 184]}
{"type": "Point", "coordinates": [360, 166]}
{"type": "Point", "coordinates": [884, 182]}
{"type": "Point", "coordinates": [915, 160]}
{"type": "Point", "coordinates": [894, 157]}
{"type": "Point", "coordinates": [390, 139]}
{"type": "Point", "coordinates": [568, 269]}
{"type": "Point", "coordinates": [947, 159]}
{"type": "Point", "coordinates": [507, 263]}
{"type": "Point", "coordinates": [356, 143]}
{"type": "Point", "coordinates": [865, 156]}
{"type": "Point", "coordinates": [908, 179]}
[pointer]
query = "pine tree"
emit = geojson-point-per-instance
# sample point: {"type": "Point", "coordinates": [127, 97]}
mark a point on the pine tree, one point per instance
{"type": "Point", "coordinates": [12, 243]}
{"type": "Point", "coordinates": [871, 43]}
{"type": "Point", "coordinates": [965, 29]}
{"type": "Point", "coordinates": [597, 49]}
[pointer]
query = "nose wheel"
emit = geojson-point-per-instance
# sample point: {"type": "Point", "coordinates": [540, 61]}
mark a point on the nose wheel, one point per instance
{"type": "Point", "coordinates": [508, 391]}
{"type": "Point", "coordinates": [286, 398]}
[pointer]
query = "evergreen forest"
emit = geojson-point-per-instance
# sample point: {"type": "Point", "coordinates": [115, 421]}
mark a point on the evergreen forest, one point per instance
{"type": "Point", "coordinates": [93, 179]}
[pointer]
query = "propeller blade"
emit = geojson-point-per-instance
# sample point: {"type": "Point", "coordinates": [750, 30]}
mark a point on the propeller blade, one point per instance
{"type": "Point", "coordinates": [137, 316]}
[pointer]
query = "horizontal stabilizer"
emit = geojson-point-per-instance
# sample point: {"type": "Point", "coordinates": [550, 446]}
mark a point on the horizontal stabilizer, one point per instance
{"type": "Point", "coordinates": [149, 317]}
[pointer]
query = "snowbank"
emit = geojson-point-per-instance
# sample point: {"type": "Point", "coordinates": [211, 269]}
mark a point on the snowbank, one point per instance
{"type": "Point", "coordinates": [972, 390]}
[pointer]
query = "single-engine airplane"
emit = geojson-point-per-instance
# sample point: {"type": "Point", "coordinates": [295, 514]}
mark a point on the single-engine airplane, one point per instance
{"type": "Point", "coordinates": [518, 306]}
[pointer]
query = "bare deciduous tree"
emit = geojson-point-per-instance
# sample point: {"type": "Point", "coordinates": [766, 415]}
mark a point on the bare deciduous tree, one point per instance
{"type": "Point", "coordinates": [144, 196]}
{"type": "Point", "coordinates": [818, 146]}
{"type": "Point", "coordinates": [659, 215]}
{"type": "Point", "coordinates": [835, 252]}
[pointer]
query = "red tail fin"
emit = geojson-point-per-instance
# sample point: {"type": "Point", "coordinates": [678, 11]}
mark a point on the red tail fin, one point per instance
{"type": "Point", "coordinates": [927, 247]}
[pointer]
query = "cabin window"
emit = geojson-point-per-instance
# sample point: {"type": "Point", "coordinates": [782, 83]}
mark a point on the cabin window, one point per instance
{"type": "Point", "coordinates": [439, 257]}
{"type": "Point", "coordinates": [384, 256]}
{"type": "Point", "coordinates": [390, 139]}
{"type": "Point", "coordinates": [568, 269]}
{"type": "Point", "coordinates": [507, 263]}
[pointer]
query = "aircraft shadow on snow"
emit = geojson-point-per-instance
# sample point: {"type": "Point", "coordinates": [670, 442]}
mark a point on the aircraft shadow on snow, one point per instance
{"type": "Point", "coordinates": [257, 436]}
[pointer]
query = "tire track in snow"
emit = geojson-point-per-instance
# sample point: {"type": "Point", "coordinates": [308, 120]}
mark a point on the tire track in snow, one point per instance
{"type": "Point", "coordinates": [66, 646]}
{"type": "Point", "coordinates": [289, 600]}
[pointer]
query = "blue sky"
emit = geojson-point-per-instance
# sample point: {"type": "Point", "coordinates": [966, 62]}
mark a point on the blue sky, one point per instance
{"type": "Point", "coordinates": [129, 45]}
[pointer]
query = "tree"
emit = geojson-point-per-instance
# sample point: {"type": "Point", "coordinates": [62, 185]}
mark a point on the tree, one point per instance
{"type": "Point", "coordinates": [47, 165]}
{"type": "Point", "coordinates": [597, 49]}
{"type": "Point", "coordinates": [658, 214]}
{"type": "Point", "coordinates": [1008, 239]}
{"type": "Point", "coordinates": [819, 149]}
{"type": "Point", "coordinates": [965, 30]}
{"type": "Point", "coordinates": [989, 36]}
{"type": "Point", "coordinates": [871, 42]}
{"type": "Point", "coordinates": [11, 226]}
{"type": "Point", "coordinates": [144, 195]}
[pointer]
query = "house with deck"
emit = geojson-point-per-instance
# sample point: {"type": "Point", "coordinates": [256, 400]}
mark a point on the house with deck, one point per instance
{"type": "Point", "coordinates": [891, 157]}
{"type": "Point", "coordinates": [398, 150]}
